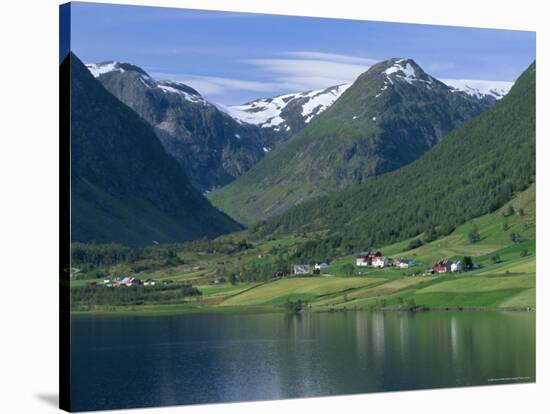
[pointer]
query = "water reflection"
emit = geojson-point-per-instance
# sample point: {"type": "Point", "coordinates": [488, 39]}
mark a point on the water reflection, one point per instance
{"type": "Point", "coordinates": [139, 362]}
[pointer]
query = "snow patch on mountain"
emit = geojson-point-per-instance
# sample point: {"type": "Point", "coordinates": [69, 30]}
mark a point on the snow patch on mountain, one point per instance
{"type": "Point", "coordinates": [405, 72]}
{"type": "Point", "coordinates": [266, 113]}
{"type": "Point", "coordinates": [479, 88]}
{"type": "Point", "coordinates": [98, 69]}
{"type": "Point", "coordinates": [319, 101]}
{"type": "Point", "coordinates": [180, 89]}
{"type": "Point", "coordinates": [403, 69]}
{"type": "Point", "coordinates": [263, 112]}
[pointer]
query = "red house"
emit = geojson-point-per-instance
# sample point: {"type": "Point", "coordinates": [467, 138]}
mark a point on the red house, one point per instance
{"type": "Point", "coordinates": [442, 266]}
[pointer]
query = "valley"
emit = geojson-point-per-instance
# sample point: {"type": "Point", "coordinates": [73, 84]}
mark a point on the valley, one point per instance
{"type": "Point", "coordinates": [232, 280]}
{"type": "Point", "coordinates": [452, 228]}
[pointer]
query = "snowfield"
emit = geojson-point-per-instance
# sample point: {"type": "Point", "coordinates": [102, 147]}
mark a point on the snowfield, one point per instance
{"type": "Point", "coordinates": [98, 69]}
{"type": "Point", "coordinates": [479, 88]}
{"type": "Point", "coordinates": [266, 113]}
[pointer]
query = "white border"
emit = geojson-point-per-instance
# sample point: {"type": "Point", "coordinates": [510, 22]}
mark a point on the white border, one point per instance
{"type": "Point", "coordinates": [28, 232]}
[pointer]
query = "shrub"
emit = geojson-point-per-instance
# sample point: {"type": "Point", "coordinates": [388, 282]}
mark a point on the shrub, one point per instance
{"type": "Point", "coordinates": [414, 244]}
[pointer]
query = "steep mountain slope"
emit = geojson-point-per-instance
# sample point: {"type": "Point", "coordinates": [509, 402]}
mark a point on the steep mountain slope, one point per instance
{"type": "Point", "coordinates": [390, 116]}
{"type": "Point", "coordinates": [212, 147]}
{"type": "Point", "coordinates": [281, 116]}
{"type": "Point", "coordinates": [124, 186]}
{"type": "Point", "coordinates": [476, 169]}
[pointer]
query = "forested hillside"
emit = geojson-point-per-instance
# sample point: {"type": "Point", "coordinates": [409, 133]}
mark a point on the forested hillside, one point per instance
{"type": "Point", "coordinates": [473, 171]}
{"type": "Point", "coordinates": [390, 116]}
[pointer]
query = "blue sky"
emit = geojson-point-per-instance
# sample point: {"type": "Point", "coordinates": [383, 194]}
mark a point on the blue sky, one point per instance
{"type": "Point", "coordinates": [232, 58]}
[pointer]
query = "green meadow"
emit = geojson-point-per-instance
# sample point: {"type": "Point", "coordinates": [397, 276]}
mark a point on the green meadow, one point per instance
{"type": "Point", "coordinates": [504, 277]}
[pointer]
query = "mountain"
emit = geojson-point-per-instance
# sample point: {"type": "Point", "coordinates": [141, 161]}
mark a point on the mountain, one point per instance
{"type": "Point", "coordinates": [475, 170]}
{"type": "Point", "coordinates": [281, 116]}
{"type": "Point", "coordinates": [284, 115]}
{"type": "Point", "coordinates": [389, 117]}
{"type": "Point", "coordinates": [125, 188]}
{"type": "Point", "coordinates": [210, 145]}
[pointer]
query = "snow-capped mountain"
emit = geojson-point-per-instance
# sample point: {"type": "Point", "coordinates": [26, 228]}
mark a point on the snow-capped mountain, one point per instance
{"type": "Point", "coordinates": [217, 143]}
{"type": "Point", "coordinates": [286, 114]}
{"type": "Point", "coordinates": [480, 88]}
{"type": "Point", "coordinates": [167, 86]}
{"type": "Point", "coordinates": [391, 115]}
{"type": "Point", "coordinates": [212, 147]}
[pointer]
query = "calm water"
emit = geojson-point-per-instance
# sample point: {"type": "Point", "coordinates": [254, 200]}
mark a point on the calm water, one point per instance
{"type": "Point", "coordinates": [186, 359]}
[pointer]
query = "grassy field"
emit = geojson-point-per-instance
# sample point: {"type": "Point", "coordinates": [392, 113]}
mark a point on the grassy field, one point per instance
{"type": "Point", "coordinates": [303, 288]}
{"type": "Point", "coordinates": [505, 278]}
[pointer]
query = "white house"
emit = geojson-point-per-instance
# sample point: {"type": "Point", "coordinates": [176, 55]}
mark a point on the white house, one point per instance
{"type": "Point", "coordinates": [127, 281]}
{"type": "Point", "coordinates": [380, 262]}
{"type": "Point", "coordinates": [456, 266]}
{"type": "Point", "coordinates": [362, 259]}
{"type": "Point", "coordinates": [404, 263]}
{"type": "Point", "coordinates": [302, 270]}
{"type": "Point", "coordinates": [321, 266]}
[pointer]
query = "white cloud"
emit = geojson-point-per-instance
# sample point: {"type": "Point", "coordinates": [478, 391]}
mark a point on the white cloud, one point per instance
{"type": "Point", "coordinates": [213, 85]}
{"type": "Point", "coordinates": [333, 57]}
{"type": "Point", "coordinates": [310, 68]}
{"type": "Point", "coordinates": [290, 72]}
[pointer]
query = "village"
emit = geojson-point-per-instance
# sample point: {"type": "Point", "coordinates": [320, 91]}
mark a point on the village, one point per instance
{"type": "Point", "coordinates": [127, 281]}
{"type": "Point", "coordinates": [369, 259]}
{"type": "Point", "coordinates": [376, 260]}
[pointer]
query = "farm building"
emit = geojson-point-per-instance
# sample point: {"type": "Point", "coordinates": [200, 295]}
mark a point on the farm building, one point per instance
{"type": "Point", "coordinates": [127, 281]}
{"type": "Point", "coordinates": [321, 266]}
{"type": "Point", "coordinates": [301, 269]}
{"type": "Point", "coordinates": [219, 279]}
{"type": "Point", "coordinates": [362, 259]}
{"type": "Point", "coordinates": [366, 258]}
{"type": "Point", "coordinates": [380, 262]}
{"type": "Point", "coordinates": [456, 266]}
{"type": "Point", "coordinates": [403, 263]}
{"type": "Point", "coordinates": [443, 266]}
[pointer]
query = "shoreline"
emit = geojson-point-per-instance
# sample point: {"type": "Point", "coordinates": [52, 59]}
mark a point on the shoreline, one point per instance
{"type": "Point", "coordinates": [169, 311]}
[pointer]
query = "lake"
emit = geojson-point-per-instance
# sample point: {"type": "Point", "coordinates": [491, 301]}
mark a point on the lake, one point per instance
{"type": "Point", "coordinates": [124, 362]}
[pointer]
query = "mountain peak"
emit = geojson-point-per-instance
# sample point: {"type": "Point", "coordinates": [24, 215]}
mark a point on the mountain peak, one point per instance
{"type": "Point", "coordinates": [401, 69]}
{"type": "Point", "coordinates": [101, 68]}
{"type": "Point", "coordinates": [98, 69]}
{"type": "Point", "coordinates": [133, 71]}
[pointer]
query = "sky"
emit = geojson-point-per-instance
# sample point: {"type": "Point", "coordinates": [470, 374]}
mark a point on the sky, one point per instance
{"type": "Point", "coordinates": [232, 58]}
